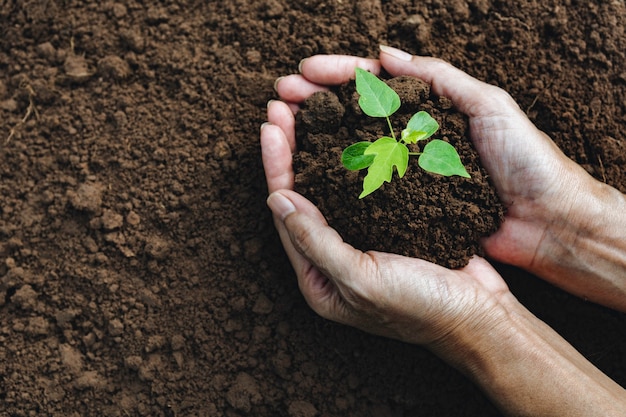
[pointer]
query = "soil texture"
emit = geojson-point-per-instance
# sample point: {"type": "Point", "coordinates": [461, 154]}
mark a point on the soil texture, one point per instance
{"type": "Point", "coordinates": [140, 272]}
{"type": "Point", "coordinates": [423, 215]}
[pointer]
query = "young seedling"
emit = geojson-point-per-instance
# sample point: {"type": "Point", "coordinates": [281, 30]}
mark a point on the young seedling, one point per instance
{"type": "Point", "coordinates": [377, 99]}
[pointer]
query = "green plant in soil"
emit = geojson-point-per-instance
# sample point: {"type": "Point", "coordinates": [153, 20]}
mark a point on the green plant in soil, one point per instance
{"type": "Point", "coordinates": [377, 99]}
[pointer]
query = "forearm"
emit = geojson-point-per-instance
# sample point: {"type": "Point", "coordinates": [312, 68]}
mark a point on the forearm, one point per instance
{"type": "Point", "coordinates": [586, 254]}
{"type": "Point", "coordinates": [527, 369]}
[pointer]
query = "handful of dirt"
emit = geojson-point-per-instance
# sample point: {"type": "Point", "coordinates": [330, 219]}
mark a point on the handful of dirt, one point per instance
{"type": "Point", "coordinates": [436, 218]}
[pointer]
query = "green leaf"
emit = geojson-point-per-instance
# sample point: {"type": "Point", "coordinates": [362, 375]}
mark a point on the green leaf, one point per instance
{"type": "Point", "coordinates": [440, 157]}
{"type": "Point", "coordinates": [376, 99]}
{"type": "Point", "coordinates": [388, 153]}
{"type": "Point", "coordinates": [353, 157]}
{"type": "Point", "coordinates": [420, 127]}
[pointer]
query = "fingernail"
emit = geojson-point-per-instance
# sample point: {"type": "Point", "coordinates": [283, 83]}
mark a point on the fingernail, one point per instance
{"type": "Point", "coordinates": [280, 205]}
{"type": "Point", "coordinates": [269, 103]}
{"type": "Point", "coordinates": [265, 124]}
{"type": "Point", "coordinates": [301, 64]}
{"type": "Point", "coordinates": [396, 53]}
{"type": "Point", "coordinates": [276, 83]}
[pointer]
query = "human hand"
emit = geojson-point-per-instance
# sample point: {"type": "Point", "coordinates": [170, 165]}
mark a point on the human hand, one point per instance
{"type": "Point", "coordinates": [404, 298]}
{"type": "Point", "coordinates": [553, 205]}
{"type": "Point", "coordinates": [468, 317]}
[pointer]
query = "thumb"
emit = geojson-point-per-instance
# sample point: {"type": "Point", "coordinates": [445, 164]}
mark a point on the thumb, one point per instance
{"type": "Point", "coordinates": [326, 266]}
{"type": "Point", "coordinates": [313, 238]}
{"type": "Point", "coordinates": [469, 95]}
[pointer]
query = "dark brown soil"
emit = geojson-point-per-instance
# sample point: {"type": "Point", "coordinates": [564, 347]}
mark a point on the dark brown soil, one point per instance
{"type": "Point", "coordinates": [140, 273]}
{"type": "Point", "coordinates": [440, 219]}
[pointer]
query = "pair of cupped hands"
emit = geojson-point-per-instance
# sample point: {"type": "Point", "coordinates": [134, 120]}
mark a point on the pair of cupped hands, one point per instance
{"type": "Point", "coordinates": [549, 199]}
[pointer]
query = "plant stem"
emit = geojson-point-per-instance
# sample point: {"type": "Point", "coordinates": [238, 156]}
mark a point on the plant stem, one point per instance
{"type": "Point", "coordinates": [393, 135]}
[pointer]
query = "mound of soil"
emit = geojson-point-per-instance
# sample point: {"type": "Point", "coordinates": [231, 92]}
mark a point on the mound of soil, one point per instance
{"type": "Point", "coordinates": [423, 215]}
{"type": "Point", "coordinates": [140, 271]}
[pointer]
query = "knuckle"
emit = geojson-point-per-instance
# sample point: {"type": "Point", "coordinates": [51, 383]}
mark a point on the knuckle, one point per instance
{"type": "Point", "coordinates": [500, 98]}
{"type": "Point", "coordinates": [366, 293]}
{"type": "Point", "coordinates": [301, 236]}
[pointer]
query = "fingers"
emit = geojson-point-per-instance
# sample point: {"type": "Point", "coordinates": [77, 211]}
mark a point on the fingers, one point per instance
{"type": "Point", "coordinates": [470, 96]}
{"type": "Point", "coordinates": [335, 69]}
{"type": "Point", "coordinates": [316, 288]}
{"type": "Point", "coordinates": [281, 115]}
{"type": "Point", "coordinates": [323, 262]}
{"type": "Point", "coordinates": [385, 294]}
{"type": "Point", "coordinates": [276, 155]}
{"type": "Point", "coordinates": [314, 239]}
{"type": "Point", "coordinates": [295, 88]}
{"type": "Point", "coordinates": [319, 71]}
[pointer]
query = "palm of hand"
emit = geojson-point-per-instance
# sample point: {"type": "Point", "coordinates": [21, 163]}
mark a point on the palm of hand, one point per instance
{"type": "Point", "coordinates": [527, 169]}
{"type": "Point", "coordinates": [376, 292]}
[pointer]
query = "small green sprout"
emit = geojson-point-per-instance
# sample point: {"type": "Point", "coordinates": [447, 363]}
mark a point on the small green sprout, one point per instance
{"type": "Point", "coordinates": [377, 99]}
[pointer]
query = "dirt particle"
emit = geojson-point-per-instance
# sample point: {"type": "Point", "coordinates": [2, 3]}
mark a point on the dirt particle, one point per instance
{"type": "Point", "coordinates": [155, 342]}
{"type": "Point", "coordinates": [71, 358]}
{"type": "Point", "coordinates": [222, 150]}
{"type": "Point", "coordinates": [263, 305]}
{"type": "Point", "coordinates": [272, 8]}
{"type": "Point", "coordinates": [150, 368]}
{"type": "Point", "coordinates": [89, 339]}
{"type": "Point", "coordinates": [90, 244]}
{"type": "Point", "coordinates": [25, 297]}
{"type": "Point", "coordinates": [419, 26]}
{"type": "Point", "coordinates": [88, 197]}
{"type": "Point", "coordinates": [177, 342]}
{"type": "Point", "coordinates": [89, 380]}
{"type": "Point", "coordinates": [37, 326]}
{"type": "Point", "coordinates": [111, 220]}
{"type": "Point", "coordinates": [3, 89]}
{"type": "Point", "coordinates": [459, 9]}
{"type": "Point", "coordinates": [157, 248]}
{"type": "Point", "coordinates": [325, 121]}
{"type": "Point", "coordinates": [253, 249]}
{"type": "Point", "coordinates": [481, 6]}
{"type": "Point", "coordinates": [64, 317]}
{"type": "Point", "coordinates": [260, 334]}
{"type": "Point", "coordinates": [157, 15]}
{"type": "Point", "coordinates": [9, 105]}
{"type": "Point", "coordinates": [413, 92]}
{"type": "Point", "coordinates": [116, 327]}
{"type": "Point", "coordinates": [148, 298]}
{"type": "Point", "coordinates": [119, 10]}
{"type": "Point", "coordinates": [134, 40]}
{"type": "Point", "coordinates": [53, 391]}
{"type": "Point", "coordinates": [133, 362]}
{"type": "Point", "coordinates": [113, 67]}
{"type": "Point", "coordinates": [244, 393]}
{"type": "Point", "coordinates": [47, 51]}
{"type": "Point", "coordinates": [253, 57]}
{"type": "Point", "coordinates": [302, 409]}
{"type": "Point", "coordinates": [133, 218]}
{"type": "Point", "coordinates": [281, 363]}
{"type": "Point", "coordinates": [119, 119]}
{"type": "Point", "coordinates": [76, 68]}
{"type": "Point", "coordinates": [228, 55]}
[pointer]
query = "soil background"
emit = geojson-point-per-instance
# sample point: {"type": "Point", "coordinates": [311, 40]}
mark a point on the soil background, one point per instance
{"type": "Point", "coordinates": [140, 273]}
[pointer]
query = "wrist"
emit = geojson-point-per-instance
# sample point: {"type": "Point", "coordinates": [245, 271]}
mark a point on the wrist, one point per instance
{"type": "Point", "coordinates": [527, 369]}
{"type": "Point", "coordinates": [583, 249]}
